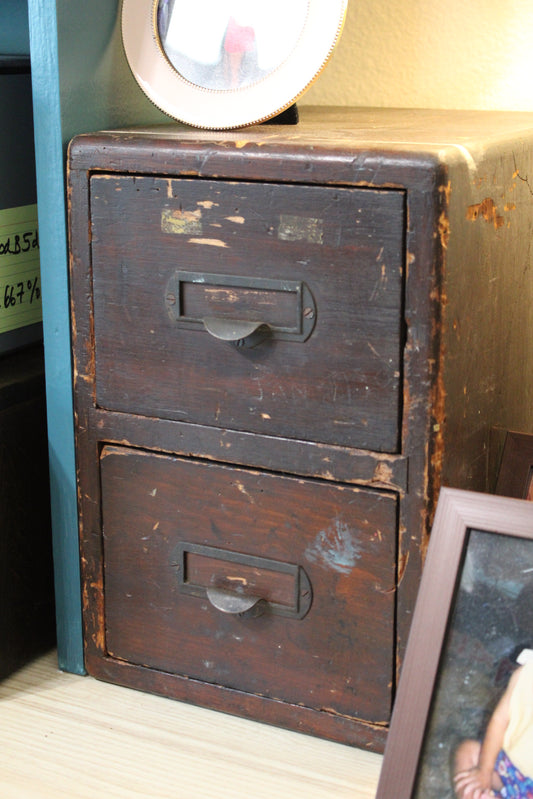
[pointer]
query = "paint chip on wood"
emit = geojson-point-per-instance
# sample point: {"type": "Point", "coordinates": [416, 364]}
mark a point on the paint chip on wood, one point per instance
{"type": "Point", "coordinates": [300, 228]}
{"type": "Point", "coordinates": [335, 548]}
{"type": "Point", "coordinates": [180, 223]}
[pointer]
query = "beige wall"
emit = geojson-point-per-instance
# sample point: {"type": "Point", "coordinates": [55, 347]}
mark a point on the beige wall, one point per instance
{"type": "Point", "coordinates": [434, 54]}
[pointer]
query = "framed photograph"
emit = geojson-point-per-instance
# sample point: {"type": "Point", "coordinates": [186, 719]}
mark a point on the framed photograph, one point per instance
{"type": "Point", "coordinates": [515, 476]}
{"type": "Point", "coordinates": [228, 63]}
{"type": "Point", "coordinates": [472, 631]}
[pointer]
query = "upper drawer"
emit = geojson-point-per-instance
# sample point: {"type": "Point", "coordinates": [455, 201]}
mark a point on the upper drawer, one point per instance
{"type": "Point", "coordinates": [182, 265]}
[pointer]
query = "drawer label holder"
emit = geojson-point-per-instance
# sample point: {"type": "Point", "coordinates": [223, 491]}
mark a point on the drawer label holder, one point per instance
{"type": "Point", "coordinates": [242, 585]}
{"type": "Point", "coordinates": [241, 310]}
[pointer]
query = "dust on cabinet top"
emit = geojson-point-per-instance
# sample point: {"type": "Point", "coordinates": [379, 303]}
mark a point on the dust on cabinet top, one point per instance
{"type": "Point", "coordinates": [432, 132]}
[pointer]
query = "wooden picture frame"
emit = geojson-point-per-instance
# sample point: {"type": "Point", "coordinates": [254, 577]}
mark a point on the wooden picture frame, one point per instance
{"type": "Point", "coordinates": [515, 476]}
{"type": "Point", "coordinates": [473, 608]}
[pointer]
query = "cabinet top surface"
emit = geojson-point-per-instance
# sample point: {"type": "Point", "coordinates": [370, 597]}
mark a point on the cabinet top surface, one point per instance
{"type": "Point", "coordinates": [434, 132]}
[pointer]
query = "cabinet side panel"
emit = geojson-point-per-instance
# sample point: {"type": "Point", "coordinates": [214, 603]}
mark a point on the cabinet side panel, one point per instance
{"type": "Point", "coordinates": [488, 312]}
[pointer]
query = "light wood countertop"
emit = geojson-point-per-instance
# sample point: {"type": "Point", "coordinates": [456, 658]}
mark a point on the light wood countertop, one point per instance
{"type": "Point", "coordinates": [62, 735]}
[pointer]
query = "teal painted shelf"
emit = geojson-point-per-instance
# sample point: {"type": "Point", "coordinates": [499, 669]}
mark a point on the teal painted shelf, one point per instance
{"type": "Point", "coordinates": [80, 82]}
{"type": "Point", "coordinates": [14, 33]}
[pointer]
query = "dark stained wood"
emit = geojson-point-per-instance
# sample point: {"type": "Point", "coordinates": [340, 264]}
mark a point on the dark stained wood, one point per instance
{"type": "Point", "coordinates": [345, 244]}
{"type": "Point", "coordinates": [410, 363]}
{"type": "Point", "coordinates": [516, 466]}
{"type": "Point", "coordinates": [345, 538]}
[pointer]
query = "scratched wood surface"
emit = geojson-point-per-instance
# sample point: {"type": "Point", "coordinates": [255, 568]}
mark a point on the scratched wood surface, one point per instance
{"type": "Point", "coordinates": [305, 661]}
{"type": "Point", "coordinates": [69, 737]}
{"type": "Point", "coordinates": [345, 244]}
{"type": "Point", "coordinates": [456, 197]}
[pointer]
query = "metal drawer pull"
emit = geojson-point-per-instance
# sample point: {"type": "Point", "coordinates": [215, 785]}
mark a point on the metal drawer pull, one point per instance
{"type": "Point", "coordinates": [239, 331]}
{"type": "Point", "coordinates": [241, 309]}
{"type": "Point", "coordinates": [228, 602]}
{"type": "Point", "coordinates": [242, 585]}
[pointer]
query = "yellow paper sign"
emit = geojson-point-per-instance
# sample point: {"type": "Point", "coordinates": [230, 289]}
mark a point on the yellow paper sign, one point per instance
{"type": "Point", "coordinates": [20, 276]}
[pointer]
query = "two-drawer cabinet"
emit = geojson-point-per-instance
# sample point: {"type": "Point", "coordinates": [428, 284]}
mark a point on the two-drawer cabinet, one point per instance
{"type": "Point", "coordinates": [285, 339]}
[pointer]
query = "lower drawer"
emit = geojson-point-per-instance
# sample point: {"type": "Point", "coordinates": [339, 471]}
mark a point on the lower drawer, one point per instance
{"type": "Point", "coordinates": [273, 586]}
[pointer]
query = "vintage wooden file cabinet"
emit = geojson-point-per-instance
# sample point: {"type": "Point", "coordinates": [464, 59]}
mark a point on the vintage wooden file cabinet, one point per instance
{"type": "Point", "coordinates": [285, 339]}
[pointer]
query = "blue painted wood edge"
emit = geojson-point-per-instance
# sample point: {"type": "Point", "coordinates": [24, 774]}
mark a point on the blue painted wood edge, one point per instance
{"type": "Point", "coordinates": [51, 199]}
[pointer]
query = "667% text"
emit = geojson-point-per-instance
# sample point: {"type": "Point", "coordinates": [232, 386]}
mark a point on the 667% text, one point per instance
{"type": "Point", "coordinates": [18, 293]}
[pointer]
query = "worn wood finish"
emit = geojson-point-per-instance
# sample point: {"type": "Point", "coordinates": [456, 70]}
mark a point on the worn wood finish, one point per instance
{"type": "Point", "coordinates": [347, 372]}
{"type": "Point", "coordinates": [516, 466]}
{"type": "Point", "coordinates": [446, 253]}
{"type": "Point", "coordinates": [152, 503]}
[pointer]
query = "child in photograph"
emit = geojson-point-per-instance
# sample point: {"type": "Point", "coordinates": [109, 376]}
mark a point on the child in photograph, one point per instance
{"type": "Point", "coordinates": [501, 765]}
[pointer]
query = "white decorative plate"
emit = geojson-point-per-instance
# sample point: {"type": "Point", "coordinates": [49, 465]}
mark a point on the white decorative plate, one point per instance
{"type": "Point", "coordinates": [228, 63]}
